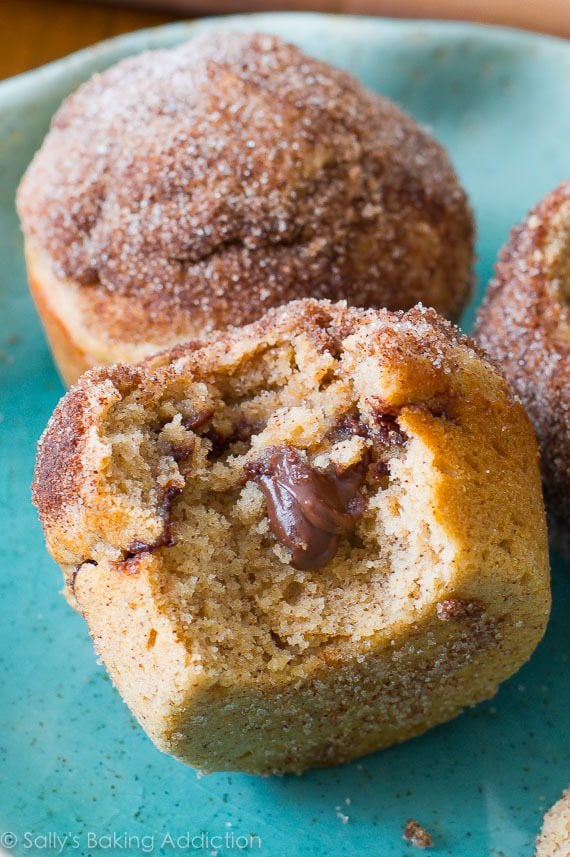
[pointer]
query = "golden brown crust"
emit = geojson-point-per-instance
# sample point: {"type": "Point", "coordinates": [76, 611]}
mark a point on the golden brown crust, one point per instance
{"type": "Point", "coordinates": [71, 357]}
{"type": "Point", "coordinates": [61, 474]}
{"type": "Point", "coordinates": [524, 324]}
{"type": "Point", "coordinates": [207, 183]}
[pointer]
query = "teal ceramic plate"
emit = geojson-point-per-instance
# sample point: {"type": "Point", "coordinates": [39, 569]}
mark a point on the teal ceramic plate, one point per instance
{"type": "Point", "coordinates": [75, 769]}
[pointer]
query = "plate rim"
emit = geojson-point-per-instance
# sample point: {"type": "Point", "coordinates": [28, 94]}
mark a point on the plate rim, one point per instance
{"type": "Point", "coordinates": [166, 35]}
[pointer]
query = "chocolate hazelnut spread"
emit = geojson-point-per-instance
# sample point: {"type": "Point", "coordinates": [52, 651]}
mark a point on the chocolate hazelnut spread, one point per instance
{"type": "Point", "coordinates": [308, 510]}
{"type": "Point", "coordinates": [165, 539]}
{"type": "Point", "coordinates": [382, 428]}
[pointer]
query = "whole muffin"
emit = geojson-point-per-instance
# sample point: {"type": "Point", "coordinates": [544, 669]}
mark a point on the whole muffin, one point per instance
{"type": "Point", "coordinates": [554, 839]}
{"type": "Point", "coordinates": [308, 539]}
{"type": "Point", "coordinates": [524, 323]}
{"type": "Point", "coordinates": [185, 190]}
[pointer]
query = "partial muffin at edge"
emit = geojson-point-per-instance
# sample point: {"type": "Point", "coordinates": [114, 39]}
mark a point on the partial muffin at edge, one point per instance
{"type": "Point", "coordinates": [554, 838]}
{"type": "Point", "coordinates": [524, 324]}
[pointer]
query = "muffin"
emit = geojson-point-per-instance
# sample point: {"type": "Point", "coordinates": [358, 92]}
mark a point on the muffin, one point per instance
{"type": "Point", "coordinates": [554, 839]}
{"type": "Point", "coordinates": [185, 190]}
{"type": "Point", "coordinates": [524, 324]}
{"type": "Point", "coordinates": [307, 539]}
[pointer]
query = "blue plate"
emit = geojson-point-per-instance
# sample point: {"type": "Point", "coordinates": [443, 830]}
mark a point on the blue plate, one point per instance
{"type": "Point", "coordinates": [73, 763]}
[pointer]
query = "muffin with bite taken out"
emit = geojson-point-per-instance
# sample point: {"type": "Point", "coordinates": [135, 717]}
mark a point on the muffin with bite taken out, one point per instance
{"type": "Point", "coordinates": [307, 539]}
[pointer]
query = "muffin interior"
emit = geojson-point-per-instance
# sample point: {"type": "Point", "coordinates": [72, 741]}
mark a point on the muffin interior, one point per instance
{"type": "Point", "coordinates": [175, 462]}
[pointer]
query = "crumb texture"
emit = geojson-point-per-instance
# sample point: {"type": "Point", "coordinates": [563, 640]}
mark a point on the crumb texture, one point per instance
{"type": "Point", "coordinates": [417, 835]}
{"type": "Point", "coordinates": [207, 183]}
{"type": "Point", "coordinates": [171, 549]}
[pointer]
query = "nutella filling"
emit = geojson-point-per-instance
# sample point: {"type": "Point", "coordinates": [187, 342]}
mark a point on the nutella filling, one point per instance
{"type": "Point", "coordinates": [166, 538]}
{"type": "Point", "coordinates": [308, 510]}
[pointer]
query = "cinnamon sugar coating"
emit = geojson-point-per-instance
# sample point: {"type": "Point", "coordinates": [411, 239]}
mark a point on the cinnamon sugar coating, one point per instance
{"type": "Point", "coordinates": [193, 188]}
{"type": "Point", "coordinates": [524, 324]}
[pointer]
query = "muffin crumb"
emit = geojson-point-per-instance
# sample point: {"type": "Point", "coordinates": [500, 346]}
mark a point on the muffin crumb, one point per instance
{"type": "Point", "coordinates": [417, 835]}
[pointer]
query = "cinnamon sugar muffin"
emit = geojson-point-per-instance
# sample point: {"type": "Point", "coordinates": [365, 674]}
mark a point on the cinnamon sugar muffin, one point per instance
{"type": "Point", "coordinates": [554, 839]}
{"type": "Point", "coordinates": [204, 184]}
{"type": "Point", "coordinates": [524, 324]}
{"type": "Point", "coordinates": [303, 541]}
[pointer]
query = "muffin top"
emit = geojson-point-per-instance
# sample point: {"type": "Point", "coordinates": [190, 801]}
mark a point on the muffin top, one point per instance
{"type": "Point", "coordinates": [200, 185]}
